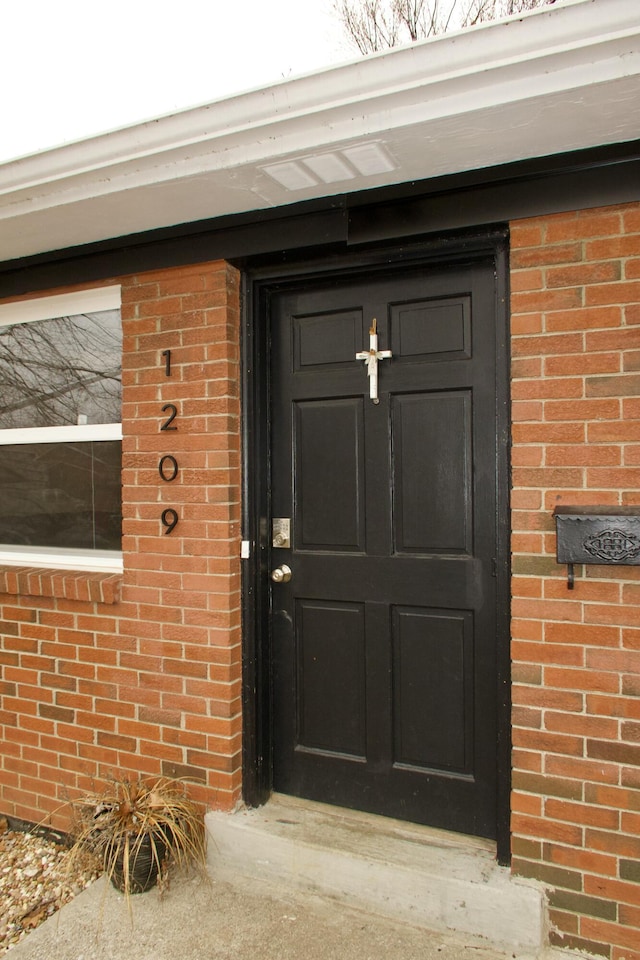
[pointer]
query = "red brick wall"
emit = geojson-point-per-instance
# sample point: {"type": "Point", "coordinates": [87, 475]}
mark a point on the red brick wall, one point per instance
{"type": "Point", "coordinates": [576, 440]}
{"type": "Point", "coordinates": [141, 674]}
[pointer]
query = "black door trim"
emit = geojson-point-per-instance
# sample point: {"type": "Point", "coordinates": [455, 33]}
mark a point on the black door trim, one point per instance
{"type": "Point", "coordinates": [258, 285]}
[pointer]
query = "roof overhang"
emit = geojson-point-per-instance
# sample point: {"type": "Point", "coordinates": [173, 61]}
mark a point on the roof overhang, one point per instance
{"type": "Point", "coordinates": [560, 79]}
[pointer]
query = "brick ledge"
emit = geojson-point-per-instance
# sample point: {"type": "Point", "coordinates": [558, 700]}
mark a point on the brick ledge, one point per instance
{"type": "Point", "coordinates": [89, 586]}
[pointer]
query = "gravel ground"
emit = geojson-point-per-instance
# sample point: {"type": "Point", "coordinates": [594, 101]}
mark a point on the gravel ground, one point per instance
{"type": "Point", "coordinates": [35, 881]}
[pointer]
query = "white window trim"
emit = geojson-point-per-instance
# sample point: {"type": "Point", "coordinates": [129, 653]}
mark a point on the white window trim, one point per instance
{"type": "Point", "coordinates": [67, 434]}
{"type": "Point", "coordinates": [61, 305]}
{"type": "Point", "coordinates": [50, 308]}
{"type": "Point", "coordinates": [57, 558]}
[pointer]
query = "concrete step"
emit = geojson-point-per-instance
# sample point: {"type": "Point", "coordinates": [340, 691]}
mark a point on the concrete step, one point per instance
{"type": "Point", "coordinates": [429, 878]}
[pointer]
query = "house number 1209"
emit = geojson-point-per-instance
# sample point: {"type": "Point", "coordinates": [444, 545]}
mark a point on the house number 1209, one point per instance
{"type": "Point", "coordinates": [168, 465]}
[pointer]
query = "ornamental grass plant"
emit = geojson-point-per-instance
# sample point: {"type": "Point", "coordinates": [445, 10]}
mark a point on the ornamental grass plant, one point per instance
{"type": "Point", "coordinates": [140, 830]}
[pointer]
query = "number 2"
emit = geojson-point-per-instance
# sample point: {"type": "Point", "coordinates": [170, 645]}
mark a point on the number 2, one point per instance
{"type": "Point", "coordinates": [174, 413]}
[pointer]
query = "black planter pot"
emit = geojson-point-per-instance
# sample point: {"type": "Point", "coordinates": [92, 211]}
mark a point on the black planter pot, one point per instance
{"type": "Point", "coordinates": [145, 858]}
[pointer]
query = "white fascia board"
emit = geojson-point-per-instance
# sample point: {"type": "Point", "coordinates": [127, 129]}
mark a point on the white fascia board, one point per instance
{"type": "Point", "coordinates": [549, 33]}
{"type": "Point", "coordinates": [579, 53]}
{"type": "Point", "coordinates": [544, 33]}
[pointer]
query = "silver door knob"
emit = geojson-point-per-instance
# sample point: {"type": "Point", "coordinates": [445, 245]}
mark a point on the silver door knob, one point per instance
{"type": "Point", "coordinates": [281, 574]}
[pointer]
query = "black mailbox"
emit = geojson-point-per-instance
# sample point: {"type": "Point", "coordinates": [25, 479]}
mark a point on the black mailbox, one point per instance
{"type": "Point", "coordinates": [607, 535]}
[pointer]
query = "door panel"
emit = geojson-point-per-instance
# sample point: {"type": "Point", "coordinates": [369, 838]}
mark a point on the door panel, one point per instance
{"type": "Point", "coordinates": [434, 330]}
{"type": "Point", "coordinates": [384, 640]}
{"type": "Point", "coordinates": [432, 472]}
{"type": "Point", "coordinates": [331, 670]}
{"type": "Point", "coordinates": [433, 701]}
{"type": "Point", "coordinates": [329, 446]}
{"type": "Point", "coordinates": [326, 338]}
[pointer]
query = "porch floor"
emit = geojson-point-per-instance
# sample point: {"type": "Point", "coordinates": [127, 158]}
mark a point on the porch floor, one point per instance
{"type": "Point", "coordinates": [407, 873]}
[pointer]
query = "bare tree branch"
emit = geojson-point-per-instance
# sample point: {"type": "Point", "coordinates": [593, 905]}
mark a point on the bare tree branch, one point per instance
{"type": "Point", "coordinates": [54, 372]}
{"type": "Point", "coordinates": [372, 25]}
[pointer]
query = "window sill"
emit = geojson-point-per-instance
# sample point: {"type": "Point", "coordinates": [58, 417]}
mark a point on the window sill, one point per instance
{"type": "Point", "coordinates": [62, 584]}
{"type": "Point", "coordinates": [61, 558]}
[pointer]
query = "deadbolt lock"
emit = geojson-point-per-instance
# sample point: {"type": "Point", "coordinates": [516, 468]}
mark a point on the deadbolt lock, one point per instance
{"type": "Point", "coordinates": [281, 532]}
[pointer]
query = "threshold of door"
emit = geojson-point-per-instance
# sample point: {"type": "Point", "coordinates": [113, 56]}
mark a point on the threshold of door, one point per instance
{"type": "Point", "coordinates": [429, 878]}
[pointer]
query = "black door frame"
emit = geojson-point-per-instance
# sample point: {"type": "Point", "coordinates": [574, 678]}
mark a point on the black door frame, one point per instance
{"type": "Point", "coordinates": [259, 282]}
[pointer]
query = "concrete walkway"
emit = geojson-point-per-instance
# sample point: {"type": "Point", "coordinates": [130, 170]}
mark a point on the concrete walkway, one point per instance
{"type": "Point", "coordinates": [217, 920]}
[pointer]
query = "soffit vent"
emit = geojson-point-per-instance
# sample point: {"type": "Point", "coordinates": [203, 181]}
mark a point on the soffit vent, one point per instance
{"type": "Point", "coordinates": [363, 160]}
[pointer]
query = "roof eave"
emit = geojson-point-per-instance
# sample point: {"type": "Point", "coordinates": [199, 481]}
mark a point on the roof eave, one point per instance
{"type": "Point", "coordinates": [564, 78]}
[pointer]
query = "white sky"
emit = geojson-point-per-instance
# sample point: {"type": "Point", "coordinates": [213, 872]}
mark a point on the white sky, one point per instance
{"type": "Point", "coordinates": [72, 68]}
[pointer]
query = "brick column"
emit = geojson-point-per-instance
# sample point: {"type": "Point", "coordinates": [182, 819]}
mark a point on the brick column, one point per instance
{"type": "Point", "coordinates": [179, 660]}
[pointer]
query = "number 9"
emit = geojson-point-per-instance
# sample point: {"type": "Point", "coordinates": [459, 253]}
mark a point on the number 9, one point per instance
{"type": "Point", "coordinates": [169, 519]}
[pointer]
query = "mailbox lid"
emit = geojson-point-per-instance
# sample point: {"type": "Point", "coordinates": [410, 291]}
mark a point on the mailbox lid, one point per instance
{"type": "Point", "coordinates": [605, 535]}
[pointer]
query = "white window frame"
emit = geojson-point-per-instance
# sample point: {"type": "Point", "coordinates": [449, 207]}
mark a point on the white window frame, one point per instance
{"type": "Point", "coordinates": [50, 308]}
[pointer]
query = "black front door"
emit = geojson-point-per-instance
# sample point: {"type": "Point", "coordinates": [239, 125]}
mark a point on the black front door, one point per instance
{"type": "Point", "coordinates": [384, 640]}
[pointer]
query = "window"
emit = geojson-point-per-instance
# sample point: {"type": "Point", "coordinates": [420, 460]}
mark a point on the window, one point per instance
{"type": "Point", "coordinates": [60, 431]}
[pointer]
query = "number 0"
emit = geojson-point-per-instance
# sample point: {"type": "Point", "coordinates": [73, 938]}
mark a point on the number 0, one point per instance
{"type": "Point", "coordinates": [173, 467]}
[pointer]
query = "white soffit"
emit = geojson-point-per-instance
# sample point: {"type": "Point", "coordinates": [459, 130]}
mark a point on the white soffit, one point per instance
{"type": "Point", "coordinates": [562, 78]}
